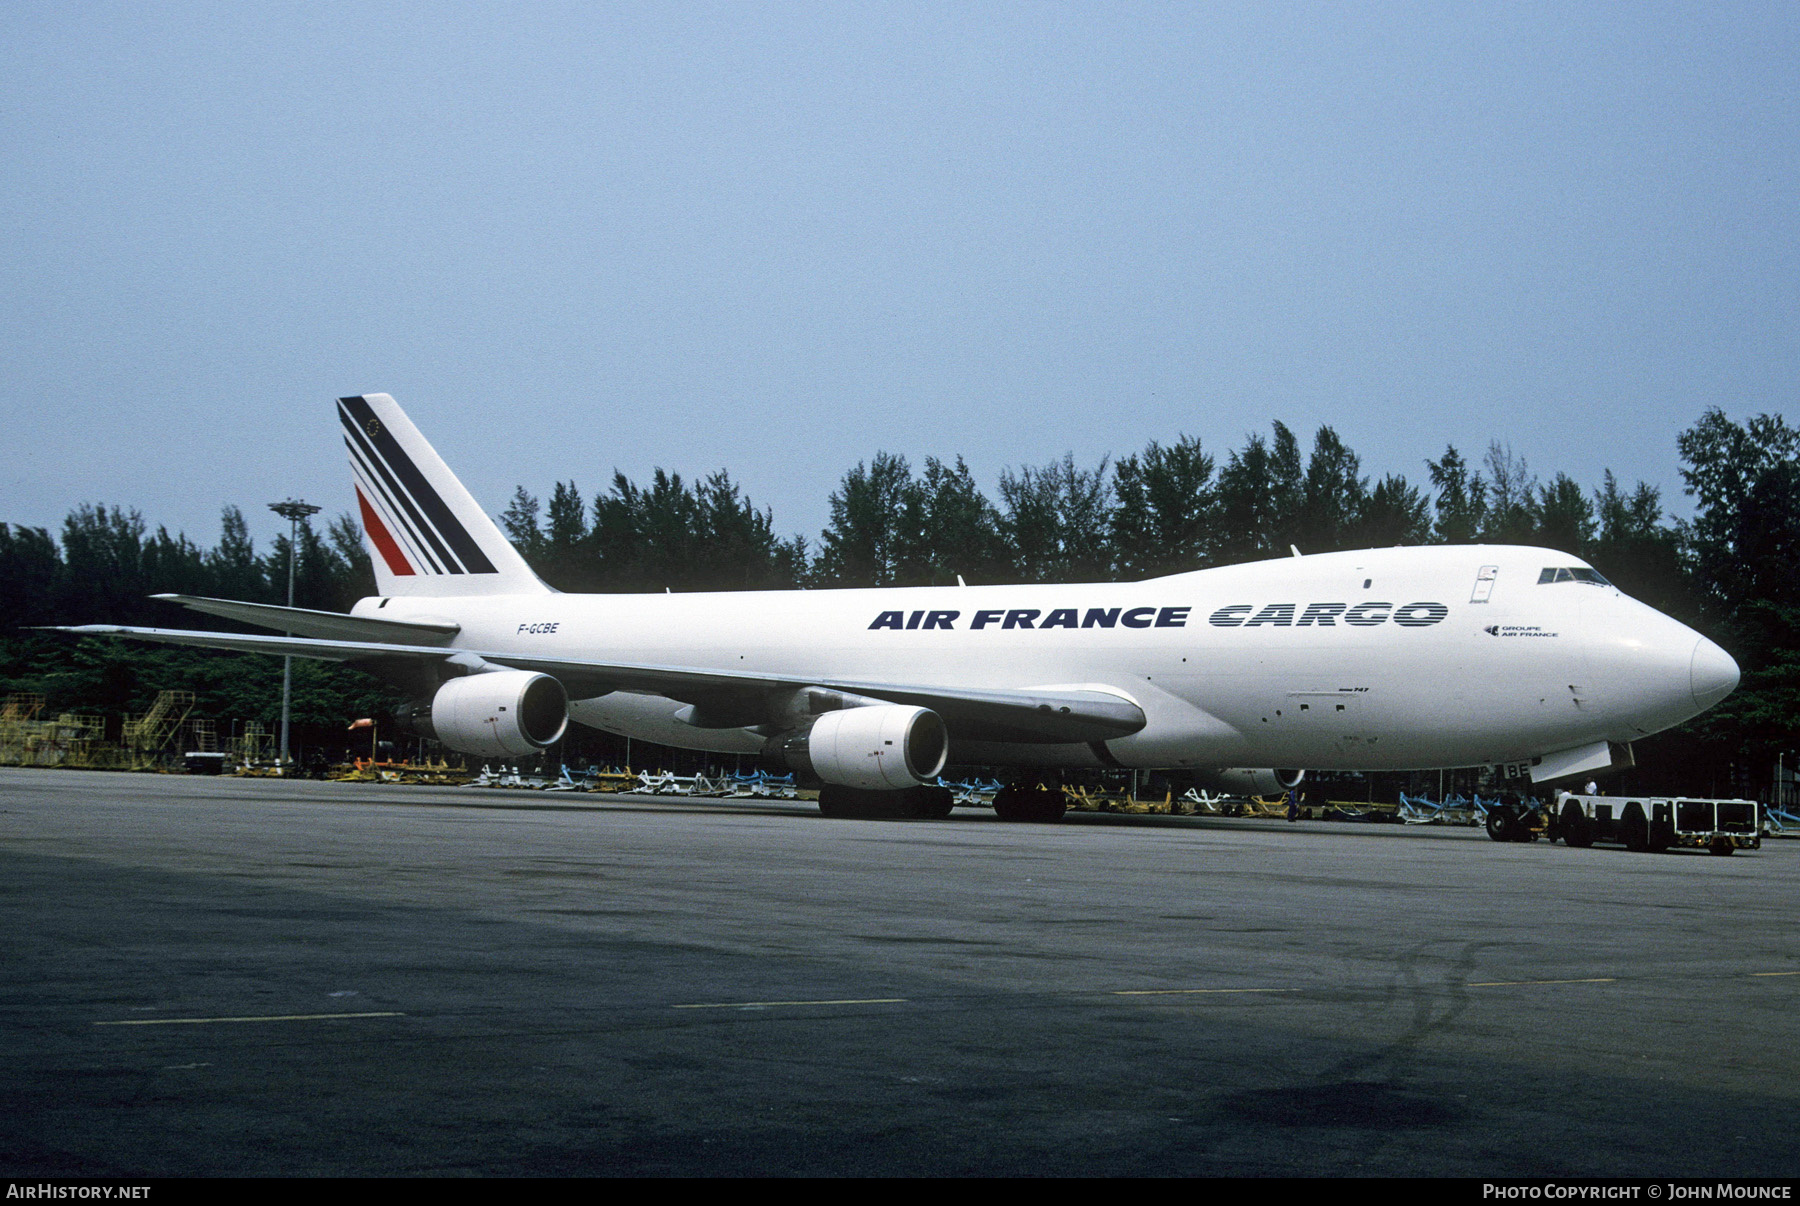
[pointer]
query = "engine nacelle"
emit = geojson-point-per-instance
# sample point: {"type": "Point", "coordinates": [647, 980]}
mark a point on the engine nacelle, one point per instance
{"type": "Point", "coordinates": [883, 747]}
{"type": "Point", "coordinates": [506, 713]}
{"type": "Point", "coordinates": [1248, 781]}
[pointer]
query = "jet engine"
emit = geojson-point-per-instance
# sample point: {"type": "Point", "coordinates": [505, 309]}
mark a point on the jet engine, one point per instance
{"type": "Point", "coordinates": [883, 747]}
{"type": "Point", "coordinates": [507, 712]}
{"type": "Point", "coordinates": [1248, 781]}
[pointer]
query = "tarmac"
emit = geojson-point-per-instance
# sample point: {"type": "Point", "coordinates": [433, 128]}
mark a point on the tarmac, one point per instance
{"type": "Point", "coordinates": [243, 977]}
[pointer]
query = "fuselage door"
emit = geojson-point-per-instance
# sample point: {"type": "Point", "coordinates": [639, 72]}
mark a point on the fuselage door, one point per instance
{"type": "Point", "coordinates": [1484, 583]}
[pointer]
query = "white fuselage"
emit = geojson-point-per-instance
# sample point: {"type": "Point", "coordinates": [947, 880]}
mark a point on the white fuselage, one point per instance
{"type": "Point", "coordinates": [1396, 658]}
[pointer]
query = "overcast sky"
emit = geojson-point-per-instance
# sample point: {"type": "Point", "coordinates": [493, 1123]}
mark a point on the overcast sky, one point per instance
{"type": "Point", "coordinates": [777, 238]}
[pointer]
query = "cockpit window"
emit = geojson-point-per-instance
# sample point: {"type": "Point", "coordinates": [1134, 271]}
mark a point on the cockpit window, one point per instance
{"type": "Point", "coordinates": [1574, 573]}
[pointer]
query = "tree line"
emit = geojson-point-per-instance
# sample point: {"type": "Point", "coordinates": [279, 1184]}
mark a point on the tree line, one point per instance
{"type": "Point", "coordinates": [1731, 571]}
{"type": "Point", "coordinates": [1164, 510]}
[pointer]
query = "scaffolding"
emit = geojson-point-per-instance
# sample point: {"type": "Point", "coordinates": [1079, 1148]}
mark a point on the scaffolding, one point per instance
{"type": "Point", "coordinates": [18, 720]}
{"type": "Point", "coordinates": [154, 740]}
{"type": "Point", "coordinates": [148, 737]}
{"type": "Point", "coordinates": [71, 739]}
{"type": "Point", "coordinates": [254, 748]}
{"type": "Point", "coordinates": [81, 741]}
{"type": "Point", "coordinates": [19, 709]}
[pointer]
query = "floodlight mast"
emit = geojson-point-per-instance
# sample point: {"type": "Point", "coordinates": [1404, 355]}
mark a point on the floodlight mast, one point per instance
{"type": "Point", "coordinates": [293, 510]}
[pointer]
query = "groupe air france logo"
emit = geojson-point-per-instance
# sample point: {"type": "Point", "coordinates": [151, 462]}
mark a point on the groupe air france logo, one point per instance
{"type": "Point", "coordinates": [1234, 615]}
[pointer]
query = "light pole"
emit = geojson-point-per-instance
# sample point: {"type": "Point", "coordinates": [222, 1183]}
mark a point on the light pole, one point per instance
{"type": "Point", "coordinates": [292, 510]}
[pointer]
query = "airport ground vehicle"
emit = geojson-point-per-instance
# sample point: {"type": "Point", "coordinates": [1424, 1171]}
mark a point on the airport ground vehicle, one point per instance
{"type": "Point", "coordinates": [1658, 822]}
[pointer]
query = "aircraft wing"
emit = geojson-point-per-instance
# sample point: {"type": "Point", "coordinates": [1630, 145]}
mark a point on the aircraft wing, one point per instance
{"type": "Point", "coordinates": [331, 625]}
{"type": "Point", "coordinates": [1022, 714]}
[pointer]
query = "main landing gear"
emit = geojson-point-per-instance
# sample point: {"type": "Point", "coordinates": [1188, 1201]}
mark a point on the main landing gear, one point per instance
{"type": "Point", "coordinates": [925, 802]}
{"type": "Point", "coordinates": [1023, 800]}
{"type": "Point", "coordinates": [1030, 800]}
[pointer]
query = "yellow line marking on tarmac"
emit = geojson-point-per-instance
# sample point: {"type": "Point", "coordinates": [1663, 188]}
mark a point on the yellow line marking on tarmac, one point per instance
{"type": "Point", "coordinates": [1521, 983]}
{"type": "Point", "coordinates": [1796, 973]}
{"type": "Point", "coordinates": [279, 1017]}
{"type": "Point", "coordinates": [772, 1004]}
{"type": "Point", "coordinates": [1191, 992]}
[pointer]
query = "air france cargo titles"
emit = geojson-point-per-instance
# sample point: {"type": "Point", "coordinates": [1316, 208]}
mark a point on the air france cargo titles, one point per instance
{"type": "Point", "coordinates": [1235, 615]}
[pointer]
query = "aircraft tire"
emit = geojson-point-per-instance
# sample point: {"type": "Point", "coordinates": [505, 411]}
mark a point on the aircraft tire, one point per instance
{"type": "Point", "coordinates": [925, 802]}
{"type": "Point", "coordinates": [831, 801]}
{"type": "Point", "coordinates": [1576, 832]}
{"type": "Point", "coordinates": [1635, 830]}
{"type": "Point", "coordinates": [1030, 802]}
{"type": "Point", "coordinates": [1500, 825]}
{"type": "Point", "coordinates": [1010, 803]}
{"type": "Point", "coordinates": [836, 800]}
{"type": "Point", "coordinates": [929, 802]}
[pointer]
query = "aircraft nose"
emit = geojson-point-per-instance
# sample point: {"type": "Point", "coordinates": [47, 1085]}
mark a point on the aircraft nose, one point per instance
{"type": "Point", "coordinates": [1713, 673]}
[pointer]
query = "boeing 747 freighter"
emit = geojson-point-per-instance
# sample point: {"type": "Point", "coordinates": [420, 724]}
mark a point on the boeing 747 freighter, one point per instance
{"type": "Point", "coordinates": [1378, 659]}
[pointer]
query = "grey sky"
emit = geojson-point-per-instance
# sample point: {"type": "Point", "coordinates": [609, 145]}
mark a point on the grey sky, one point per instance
{"type": "Point", "coordinates": [776, 238]}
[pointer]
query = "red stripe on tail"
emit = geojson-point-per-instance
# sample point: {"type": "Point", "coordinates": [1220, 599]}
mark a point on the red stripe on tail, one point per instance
{"type": "Point", "coordinates": [384, 540]}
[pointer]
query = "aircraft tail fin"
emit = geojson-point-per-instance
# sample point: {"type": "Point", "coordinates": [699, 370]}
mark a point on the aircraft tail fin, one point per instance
{"type": "Point", "coordinates": [425, 533]}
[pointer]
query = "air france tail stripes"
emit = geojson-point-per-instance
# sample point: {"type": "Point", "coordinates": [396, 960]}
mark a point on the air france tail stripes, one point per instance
{"type": "Point", "coordinates": [416, 505]}
{"type": "Point", "coordinates": [425, 533]}
{"type": "Point", "coordinates": [384, 540]}
{"type": "Point", "coordinates": [376, 488]}
{"type": "Point", "coordinates": [396, 490]}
